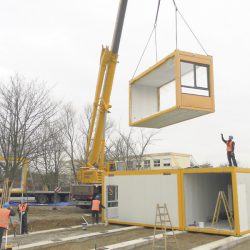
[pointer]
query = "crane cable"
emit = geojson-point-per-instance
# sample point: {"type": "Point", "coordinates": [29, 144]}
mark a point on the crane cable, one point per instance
{"type": "Point", "coordinates": [184, 20]}
{"type": "Point", "coordinates": [155, 24]}
{"type": "Point", "coordinates": [176, 33]}
{"type": "Point", "coordinates": [153, 30]}
{"type": "Point", "coordinates": [176, 25]}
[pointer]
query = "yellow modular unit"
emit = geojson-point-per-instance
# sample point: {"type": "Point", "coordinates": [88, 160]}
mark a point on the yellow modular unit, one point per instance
{"type": "Point", "coordinates": [178, 88]}
{"type": "Point", "coordinates": [190, 194]}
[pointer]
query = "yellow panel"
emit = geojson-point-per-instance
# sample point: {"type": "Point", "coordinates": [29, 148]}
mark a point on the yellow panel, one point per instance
{"type": "Point", "coordinates": [195, 101]}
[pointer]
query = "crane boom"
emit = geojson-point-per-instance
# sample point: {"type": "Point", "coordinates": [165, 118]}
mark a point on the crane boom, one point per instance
{"type": "Point", "coordinates": [101, 105]}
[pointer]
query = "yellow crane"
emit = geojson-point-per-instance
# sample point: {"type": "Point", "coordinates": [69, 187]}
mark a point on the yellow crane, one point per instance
{"type": "Point", "coordinates": [91, 173]}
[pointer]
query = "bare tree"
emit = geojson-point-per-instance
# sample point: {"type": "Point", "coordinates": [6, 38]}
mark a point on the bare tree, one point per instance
{"type": "Point", "coordinates": [142, 141]}
{"type": "Point", "coordinates": [130, 146]}
{"type": "Point", "coordinates": [24, 108]}
{"type": "Point", "coordinates": [84, 127]}
{"type": "Point", "coordinates": [69, 124]}
{"type": "Point", "coordinates": [48, 162]}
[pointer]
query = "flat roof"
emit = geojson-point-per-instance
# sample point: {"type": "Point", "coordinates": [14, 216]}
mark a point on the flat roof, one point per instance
{"type": "Point", "coordinates": [182, 170]}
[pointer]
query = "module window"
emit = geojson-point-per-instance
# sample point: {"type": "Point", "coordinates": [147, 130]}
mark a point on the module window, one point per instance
{"type": "Point", "coordinates": [195, 78]}
{"type": "Point", "coordinates": [112, 192]}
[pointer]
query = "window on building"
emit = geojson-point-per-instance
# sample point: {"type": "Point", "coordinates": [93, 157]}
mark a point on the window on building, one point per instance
{"type": "Point", "coordinates": [112, 193]}
{"type": "Point", "coordinates": [138, 166]}
{"type": "Point", "coordinates": [112, 167]}
{"type": "Point", "coordinates": [195, 78]}
{"type": "Point", "coordinates": [120, 166]}
{"type": "Point", "coordinates": [166, 162]}
{"type": "Point", "coordinates": [146, 163]}
{"type": "Point", "coordinates": [157, 163]}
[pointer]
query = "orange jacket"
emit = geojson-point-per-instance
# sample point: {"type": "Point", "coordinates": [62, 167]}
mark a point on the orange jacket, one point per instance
{"type": "Point", "coordinates": [95, 205]}
{"type": "Point", "coordinates": [230, 145]}
{"type": "Point", "coordinates": [4, 217]}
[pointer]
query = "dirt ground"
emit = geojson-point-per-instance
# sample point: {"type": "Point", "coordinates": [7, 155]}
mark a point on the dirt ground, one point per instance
{"type": "Point", "coordinates": [44, 217]}
{"type": "Point", "coordinates": [185, 241]}
{"type": "Point", "coordinates": [243, 246]}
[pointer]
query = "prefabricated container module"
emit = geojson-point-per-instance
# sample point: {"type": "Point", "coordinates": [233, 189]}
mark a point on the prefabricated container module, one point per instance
{"type": "Point", "coordinates": [131, 197]}
{"type": "Point", "coordinates": [177, 88]}
{"type": "Point", "coordinates": [190, 194]}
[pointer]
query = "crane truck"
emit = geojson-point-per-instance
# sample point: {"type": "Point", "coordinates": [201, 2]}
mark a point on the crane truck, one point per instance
{"type": "Point", "coordinates": [40, 196]}
{"type": "Point", "coordinates": [89, 176]}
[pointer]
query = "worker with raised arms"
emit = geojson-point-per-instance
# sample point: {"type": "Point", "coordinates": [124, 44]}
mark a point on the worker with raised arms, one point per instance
{"type": "Point", "coordinates": [230, 150]}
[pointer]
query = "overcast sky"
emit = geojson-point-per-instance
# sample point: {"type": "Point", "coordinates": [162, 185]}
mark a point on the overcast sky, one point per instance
{"type": "Point", "coordinates": [59, 41]}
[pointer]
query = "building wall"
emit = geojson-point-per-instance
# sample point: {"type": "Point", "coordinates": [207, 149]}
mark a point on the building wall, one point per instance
{"type": "Point", "coordinates": [138, 196]}
{"type": "Point", "coordinates": [168, 160]}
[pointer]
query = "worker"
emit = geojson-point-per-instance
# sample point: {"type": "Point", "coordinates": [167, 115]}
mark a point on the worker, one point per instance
{"type": "Point", "coordinates": [5, 212]}
{"type": "Point", "coordinates": [22, 210]}
{"type": "Point", "coordinates": [230, 150]}
{"type": "Point", "coordinates": [96, 208]}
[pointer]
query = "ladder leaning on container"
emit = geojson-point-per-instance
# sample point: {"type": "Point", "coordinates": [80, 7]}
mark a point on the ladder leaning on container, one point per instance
{"type": "Point", "coordinates": [222, 198]}
{"type": "Point", "coordinates": [163, 221]}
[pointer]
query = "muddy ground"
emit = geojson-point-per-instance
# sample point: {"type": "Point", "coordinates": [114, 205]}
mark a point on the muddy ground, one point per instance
{"type": "Point", "coordinates": [185, 241]}
{"type": "Point", "coordinates": [243, 246]}
{"type": "Point", "coordinates": [46, 217]}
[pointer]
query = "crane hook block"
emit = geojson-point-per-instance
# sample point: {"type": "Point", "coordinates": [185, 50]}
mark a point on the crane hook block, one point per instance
{"type": "Point", "coordinates": [177, 88]}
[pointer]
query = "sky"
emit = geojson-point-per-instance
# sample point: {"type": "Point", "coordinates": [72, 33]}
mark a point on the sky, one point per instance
{"type": "Point", "coordinates": [59, 42]}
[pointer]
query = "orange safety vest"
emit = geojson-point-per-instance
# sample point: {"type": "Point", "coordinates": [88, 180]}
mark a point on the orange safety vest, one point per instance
{"type": "Point", "coordinates": [4, 217]}
{"type": "Point", "coordinates": [95, 205]}
{"type": "Point", "coordinates": [229, 146]}
{"type": "Point", "coordinates": [22, 208]}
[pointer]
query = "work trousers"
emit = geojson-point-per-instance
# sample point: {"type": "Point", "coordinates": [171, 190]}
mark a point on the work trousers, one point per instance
{"type": "Point", "coordinates": [24, 229]}
{"type": "Point", "coordinates": [1, 235]}
{"type": "Point", "coordinates": [95, 217]}
{"type": "Point", "coordinates": [231, 157]}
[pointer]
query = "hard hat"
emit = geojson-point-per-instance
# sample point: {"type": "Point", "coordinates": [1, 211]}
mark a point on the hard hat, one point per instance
{"type": "Point", "coordinates": [231, 137]}
{"type": "Point", "coordinates": [6, 205]}
{"type": "Point", "coordinates": [97, 197]}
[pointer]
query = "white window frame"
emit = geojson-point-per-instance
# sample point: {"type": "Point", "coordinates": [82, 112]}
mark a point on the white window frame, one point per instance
{"type": "Point", "coordinates": [146, 164]}
{"type": "Point", "coordinates": [113, 202]}
{"type": "Point", "coordinates": [157, 163]}
{"type": "Point", "coordinates": [166, 162]}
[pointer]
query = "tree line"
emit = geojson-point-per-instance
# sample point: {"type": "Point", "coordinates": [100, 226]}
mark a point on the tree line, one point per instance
{"type": "Point", "coordinates": [48, 133]}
